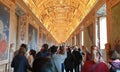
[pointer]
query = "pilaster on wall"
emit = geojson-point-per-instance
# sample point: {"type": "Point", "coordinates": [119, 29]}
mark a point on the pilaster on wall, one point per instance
{"type": "Point", "coordinates": [22, 30]}
{"type": "Point", "coordinates": [109, 20]}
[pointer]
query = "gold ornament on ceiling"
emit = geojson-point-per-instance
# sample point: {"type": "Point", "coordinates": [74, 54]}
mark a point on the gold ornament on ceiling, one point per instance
{"type": "Point", "coordinates": [60, 17]}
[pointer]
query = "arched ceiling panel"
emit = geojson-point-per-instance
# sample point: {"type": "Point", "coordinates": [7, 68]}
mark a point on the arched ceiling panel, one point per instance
{"type": "Point", "coordinates": [60, 17]}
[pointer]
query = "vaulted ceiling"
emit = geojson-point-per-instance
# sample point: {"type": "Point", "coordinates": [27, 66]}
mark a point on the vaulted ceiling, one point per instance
{"type": "Point", "coordinates": [60, 17]}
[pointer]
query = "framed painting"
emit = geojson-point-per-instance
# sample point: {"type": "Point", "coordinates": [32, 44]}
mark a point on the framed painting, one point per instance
{"type": "Point", "coordinates": [4, 33]}
{"type": "Point", "coordinates": [32, 37]}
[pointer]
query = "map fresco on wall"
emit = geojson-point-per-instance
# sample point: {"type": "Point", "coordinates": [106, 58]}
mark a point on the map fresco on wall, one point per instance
{"type": "Point", "coordinates": [116, 27]}
{"type": "Point", "coordinates": [116, 22]}
{"type": "Point", "coordinates": [32, 38]}
{"type": "Point", "coordinates": [4, 33]}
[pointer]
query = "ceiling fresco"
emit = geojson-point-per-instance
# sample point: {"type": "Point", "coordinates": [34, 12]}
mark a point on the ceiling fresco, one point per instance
{"type": "Point", "coordinates": [60, 17]}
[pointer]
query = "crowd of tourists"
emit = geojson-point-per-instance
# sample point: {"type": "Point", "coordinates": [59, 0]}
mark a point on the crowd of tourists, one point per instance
{"type": "Point", "coordinates": [64, 59]}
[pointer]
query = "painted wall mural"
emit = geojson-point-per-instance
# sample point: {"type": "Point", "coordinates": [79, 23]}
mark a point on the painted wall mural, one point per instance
{"type": "Point", "coordinates": [4, 33]}
{"type": "Point", "coordinates": [116, 22]}
{"type": "Point", "coordinates": [116, 27]}
{"type": "Point", "coordinates": [32, 37]}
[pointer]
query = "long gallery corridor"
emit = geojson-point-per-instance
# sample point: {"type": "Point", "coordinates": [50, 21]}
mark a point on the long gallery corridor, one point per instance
{"type": "Point", "coordinates": [59, 35]}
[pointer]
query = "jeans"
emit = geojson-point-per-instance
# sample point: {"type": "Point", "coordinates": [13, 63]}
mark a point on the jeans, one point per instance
{"type": "Point", "coordinates": [63, 67]}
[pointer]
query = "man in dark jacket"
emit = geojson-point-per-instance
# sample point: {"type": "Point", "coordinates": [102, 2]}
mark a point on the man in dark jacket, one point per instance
{"type": "Point", "coordinates": [77, 59]}
{"type": "Point", "coordinates": [20, 62]}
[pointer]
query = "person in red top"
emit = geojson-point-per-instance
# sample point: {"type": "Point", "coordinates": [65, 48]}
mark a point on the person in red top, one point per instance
{"type": "Point", "coordinates": [95, 64]}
